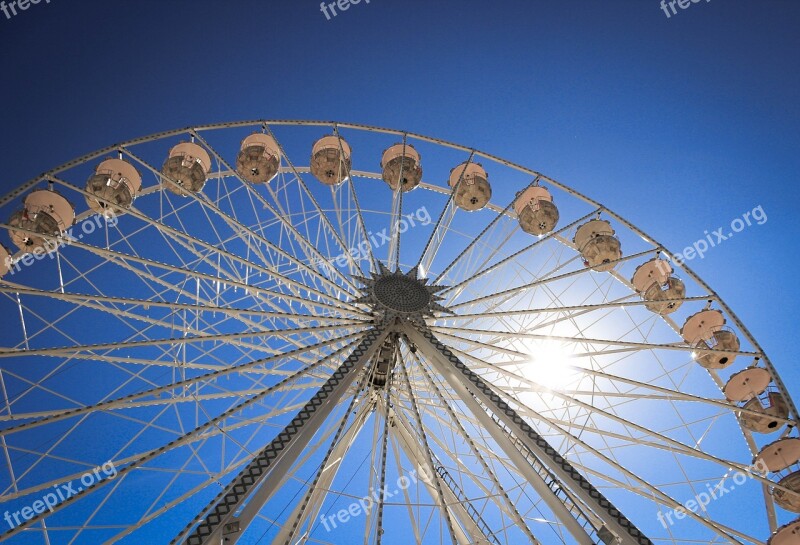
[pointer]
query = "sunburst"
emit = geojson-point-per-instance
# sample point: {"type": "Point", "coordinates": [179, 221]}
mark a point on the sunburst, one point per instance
{"type": "Point", "coordinates": [401, 294]}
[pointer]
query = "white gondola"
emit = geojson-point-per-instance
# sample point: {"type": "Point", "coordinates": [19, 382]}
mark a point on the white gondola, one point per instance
{"type": "Point", "coordinates": [401, 166]}
{"type": "Point", "coordinates": [331, 160]}
{"type": "Point", "coordinates": [113, 187]}
{"type": "Point", "coordinates": [597, 244]}
{"type": "Point", "coordinates": [45, 214]}
{"type": "Point", "coordinates": [186, 169]}
{"type": "Point", "coordinates": [259, 159]}
{"type": "Point", "coordinates": [536, 212]}
{"type": "Point", "coordinates": [471, 185]}
{"type": "Point", "coordinates": [715, 347]}
{"type": "Point", "coordinates": [752, 389]}
{"type": "Point", "coordinates": [655, 284]}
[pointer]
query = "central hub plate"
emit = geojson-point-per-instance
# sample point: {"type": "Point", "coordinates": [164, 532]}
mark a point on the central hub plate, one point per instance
{"type": "Point", "coordinates": [406, 295]}
{"type": "Point", "coordinates": [402, 294]}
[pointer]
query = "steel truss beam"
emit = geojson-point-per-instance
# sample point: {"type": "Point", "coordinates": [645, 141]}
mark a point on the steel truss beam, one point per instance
{"type": "Point", "coordinates": [295, 436]}
{"type": "Point", "coordinates": [465, 382]}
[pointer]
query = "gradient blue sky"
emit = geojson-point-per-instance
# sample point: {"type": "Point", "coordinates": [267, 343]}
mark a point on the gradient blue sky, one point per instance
{"type": "Point", "coordinates": [680, 124]}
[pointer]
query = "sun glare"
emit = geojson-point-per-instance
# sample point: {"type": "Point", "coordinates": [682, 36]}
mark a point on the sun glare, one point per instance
{"type": "Point", "coordinates": [550, 364]}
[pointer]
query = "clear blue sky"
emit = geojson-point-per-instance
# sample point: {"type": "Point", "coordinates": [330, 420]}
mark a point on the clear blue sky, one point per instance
{"type": "Point", "coordinates": [680, 124]}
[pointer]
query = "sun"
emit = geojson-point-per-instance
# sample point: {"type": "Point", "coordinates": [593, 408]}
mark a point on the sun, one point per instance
{"type": "Point", "coordinates": [552, 363]}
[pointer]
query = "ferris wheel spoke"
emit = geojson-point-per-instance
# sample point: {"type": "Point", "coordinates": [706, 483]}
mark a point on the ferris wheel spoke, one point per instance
{"type": "Point", "coordinates": [446, 216]}
{"type": "Point", "coordinates": [437, 237]}
{"type": "Point", "coordinates": [617, 303]}
{"type": "Point", "coordinates": [8, 495]}
{"type": "Point", "coordinates": [238, 229]}
{"type": "Point", "coordinates": [541, 281]}
{"type": "Point", "coordinates": [478, 344]}
{"type": "Point", "coordinates": [81, 298]}
{"type": "Point", "coordinates": [171, 286]}
{"type": "Point", "coordinates": [50, 456]}
{"type": "Point", "coordinates": [501, 497]}
{"type": "Point", "coordinates": [334, 288]}
{"type": "Point", "coordinates": [465, 528]}
{"type": "Point", "coordinates": [256, 512]}
{"type": "Point", "coordinates": [212, 432]}
{"type": "Point", "coordinates": [568, 397]}
{"type": "Point", "coordinates": [182, 440]}
{"type": "Point", "coordinates": [361, 224]}
{"type": "Point", "coordinates": [313, 492]}
{"type": "Point", "coordinates": [481, 261]}
{"type": "Point", "coordinates": [310, 251]}
{"type": "Point", "coordinates": [538, 506]}
{"type": "Point", "coordinates": [309, 508]}
{"type": "Point", "coordinates": [426, 448]}
{"type": "Point", "coordinates": [502, 302]}
{"type": "Point", "coordinates": [498, 299]}
{"type": "Point", "coordinates": [398, 449]}
{"type": "Point", "coordinates": [442, 226]}
{"type": "Point", "coordinates": [459, 375]}
{"type": "Point", "coordinates": [265, 294]}
{"type": "Point", "coordinates": [152, 515]}
{"type": "Point", "coordinates": [666, 444]}
{"type": "Point", "coordinates": [190, 243]}
{"type": "Point", "coordinates": [224, 430]}
{"type": "Point", "coordinates": [526, 464]}
{"type": "Point", "coordinates": [187, 273]}
{"type": "Point", "coordinates": [354, 267]}
{"type": "Point", "coordinates": [396, 213]}
{"type": "Point", "coordinates": [69, 350]}
{"type": "Point", "coordinates": [218, 513]}
{"type": "Point", "coordinates": [154, 392]}
{"type": "Point", "coordinates": [471, 251]}
{"type": "Point", "coordinates": [195, 398]}
{"type": "Point", "coordinates": [667, 394]}
{"type": "Point", "coordinates": [449, 331]}
{"type": "Point", "coordinates": [651, 493]}
{"type": "Point", "coordinates": [655, 494]}
{"type": "Point", "coordinates": [467, 514]}
{"type": "Point", "coordinates": [539, 242]}
{"type": "Point", "coordinates": [53, 372]}
{"type": "Point", "coordinates": [119, 314]}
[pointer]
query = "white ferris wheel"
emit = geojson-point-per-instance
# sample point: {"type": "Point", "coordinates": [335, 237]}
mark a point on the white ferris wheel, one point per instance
{"type": "Point", "coordinates": [295, 332]}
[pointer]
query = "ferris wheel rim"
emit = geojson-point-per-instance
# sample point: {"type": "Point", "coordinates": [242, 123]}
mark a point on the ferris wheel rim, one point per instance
{"type": "Point", "coordinates": [264, 123]}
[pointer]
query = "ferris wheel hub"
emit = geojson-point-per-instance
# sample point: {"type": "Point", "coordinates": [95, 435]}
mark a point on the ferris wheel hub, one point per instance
{"type": "Point", "coordinates": [404, 295]}
{"type": "Point", "coordinates": [401, 294]}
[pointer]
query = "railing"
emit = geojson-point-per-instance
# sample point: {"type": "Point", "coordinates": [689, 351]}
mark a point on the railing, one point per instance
{"type": "Point", "coordinates": [463, 500]}
{"type": "Point", "coordinates": [600, 535]}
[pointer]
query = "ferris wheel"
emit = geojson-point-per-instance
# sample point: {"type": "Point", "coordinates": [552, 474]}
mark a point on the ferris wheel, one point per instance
{"type": "Point", "coordinates": [295, 332]}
